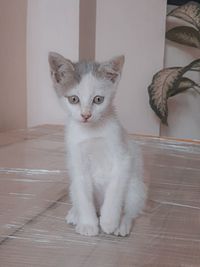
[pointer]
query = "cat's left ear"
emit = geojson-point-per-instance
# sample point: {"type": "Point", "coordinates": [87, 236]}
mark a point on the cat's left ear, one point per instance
{"type": "Point", "coordinates": [112, 69]}
{"type": "Point", "coordinates": [62, 69]}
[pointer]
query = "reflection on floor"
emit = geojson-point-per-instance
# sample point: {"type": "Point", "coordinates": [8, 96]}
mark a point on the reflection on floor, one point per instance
{"type": "Point", "coordinates": [34, 202]}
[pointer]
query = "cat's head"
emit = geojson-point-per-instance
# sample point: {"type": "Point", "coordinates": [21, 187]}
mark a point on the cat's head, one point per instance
{"type": "Point", "coordinates": [86, 89]}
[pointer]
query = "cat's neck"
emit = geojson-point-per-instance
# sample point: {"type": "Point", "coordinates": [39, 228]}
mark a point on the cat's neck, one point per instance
{"type": "Point", "coordinates": [108, 128]}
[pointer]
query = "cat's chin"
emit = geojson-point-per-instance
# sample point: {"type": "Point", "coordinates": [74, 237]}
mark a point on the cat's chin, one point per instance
{"type": "Point", "coordinates": [83, 122]}
{"type": "Point", "coordinates": [86, 121]}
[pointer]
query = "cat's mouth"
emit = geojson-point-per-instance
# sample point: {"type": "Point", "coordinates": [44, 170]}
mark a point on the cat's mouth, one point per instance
{"type": "Point", "coordinates": [85, 121]}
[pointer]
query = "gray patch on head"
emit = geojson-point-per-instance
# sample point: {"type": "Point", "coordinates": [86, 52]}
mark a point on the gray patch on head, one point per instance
{"type": "Point", "coordinates": [66, 74]}
{"type": "Point", "coordinates": [84, 67]}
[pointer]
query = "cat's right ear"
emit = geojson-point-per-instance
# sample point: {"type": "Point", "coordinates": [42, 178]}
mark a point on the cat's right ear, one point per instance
{"type": "Point", "coordinates": [112, 69]}
{"type": "Point", "coordinates": [62, 70]}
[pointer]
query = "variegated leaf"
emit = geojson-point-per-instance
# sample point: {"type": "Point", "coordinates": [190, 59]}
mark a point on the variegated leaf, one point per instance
{"type": "Point", "coordinates": [194, 65]}
{"type": "Point", "coordinates": [163, 82]}
{"type": "Point", "coordinates": [184, 35]}
{"type": "Point", "coordinates": [189, 12]}
{"type": "Point", "coordinates": [184, 84]}
{"type": "Point", "coordinates": [166, 83]}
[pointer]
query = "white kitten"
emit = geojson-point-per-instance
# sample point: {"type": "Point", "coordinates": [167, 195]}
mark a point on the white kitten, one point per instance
{"type": "Point", "coordinates": [106, 190]}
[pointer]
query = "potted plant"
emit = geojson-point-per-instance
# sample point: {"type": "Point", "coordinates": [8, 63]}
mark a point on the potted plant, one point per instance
{"type": "Point", "coordinates": [169, 82]}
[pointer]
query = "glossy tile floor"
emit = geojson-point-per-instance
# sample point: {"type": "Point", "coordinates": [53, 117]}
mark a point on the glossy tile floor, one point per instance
{"type": "Point", "coordinates": [34, 202]}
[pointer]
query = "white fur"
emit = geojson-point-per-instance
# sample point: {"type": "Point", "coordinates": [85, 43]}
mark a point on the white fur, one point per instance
{"type": "Point", "coordinates": [105, 168]}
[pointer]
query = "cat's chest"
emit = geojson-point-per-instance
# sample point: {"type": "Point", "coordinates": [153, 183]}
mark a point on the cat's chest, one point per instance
{"type": "Point", "coordinates": [97, 156]}
{"type": "Point", "coordinates": [95, 149]}
{"type": "Point", "coordinates": [99, 147]}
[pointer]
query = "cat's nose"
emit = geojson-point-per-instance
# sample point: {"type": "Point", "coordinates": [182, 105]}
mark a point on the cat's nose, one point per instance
{"type": "Point", "coordinates": [86, 116]}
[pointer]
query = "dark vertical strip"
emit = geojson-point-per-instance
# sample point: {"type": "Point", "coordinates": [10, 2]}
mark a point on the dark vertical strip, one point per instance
{"type": "Point", "coordinates": [180, 2]}
{"type": "Point", "coordinates": [87, 29]}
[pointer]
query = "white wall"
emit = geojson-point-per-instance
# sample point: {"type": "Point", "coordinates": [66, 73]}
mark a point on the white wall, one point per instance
{"type": "Point", "coordinates": [52, 25]}
{"type": "Point", "coordinates": [184, 109]}
{"type": "Point", "coordinates": [136, 29]}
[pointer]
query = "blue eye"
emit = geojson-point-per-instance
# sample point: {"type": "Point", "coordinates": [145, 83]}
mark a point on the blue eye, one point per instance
{"type": "Point", "coordinates": [98, 99]}
{"type": "Point", "coordinates": [73, 99]}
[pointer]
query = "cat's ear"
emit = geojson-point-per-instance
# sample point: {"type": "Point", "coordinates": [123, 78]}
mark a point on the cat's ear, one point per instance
{"type": "Point", "coordinates": [112, 69]}
{"type": "Point", "coordinates": [62, 70]}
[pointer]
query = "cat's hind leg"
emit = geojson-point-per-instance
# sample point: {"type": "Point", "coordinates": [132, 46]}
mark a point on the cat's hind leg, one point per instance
{"type": "Point", "coordinates": [133, 206]}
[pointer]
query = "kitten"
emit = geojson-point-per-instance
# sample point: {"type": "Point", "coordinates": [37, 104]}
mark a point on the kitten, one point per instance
{"type": "Point", "coordinates": [105, 168]}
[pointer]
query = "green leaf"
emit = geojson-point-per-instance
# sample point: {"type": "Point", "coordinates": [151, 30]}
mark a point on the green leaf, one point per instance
{"type": "Point", "coordinates": [189, 12]}
{"type": "Point", "coordinates": [184, 35]}
{"type": "Point", "coordinates": [163, 82]}
{"type": "Point", "coordinates": [184, 84]}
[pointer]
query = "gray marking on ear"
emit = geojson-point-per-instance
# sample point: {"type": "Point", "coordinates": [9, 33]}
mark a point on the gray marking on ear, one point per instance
{"type": "Point", "coordinates": [62, 73]}
{"type": "Point", "coordinates": [112, 69]}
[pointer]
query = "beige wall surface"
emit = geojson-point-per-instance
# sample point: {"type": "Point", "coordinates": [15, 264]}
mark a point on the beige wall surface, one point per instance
{"type": "Point", "coordinates": [52, 25]}
{"type": "Point", "coordinates": [13, 64]}
{"type": "Point", "coordinates": [136, 29]}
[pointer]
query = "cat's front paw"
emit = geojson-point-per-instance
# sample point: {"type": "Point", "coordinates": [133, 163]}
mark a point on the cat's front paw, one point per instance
{"type": "Point", "coordinates": [108, 225]}
{"type": "Point", "coordinates": [72, 217]}
{"type": "Point", "coordinates": [87, 229]}
{"type": "Point", "coordinates": [124, 228]}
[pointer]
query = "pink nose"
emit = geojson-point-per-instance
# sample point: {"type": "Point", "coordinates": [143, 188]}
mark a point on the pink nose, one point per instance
{"type": "Point", "coordinates": [86, 116]}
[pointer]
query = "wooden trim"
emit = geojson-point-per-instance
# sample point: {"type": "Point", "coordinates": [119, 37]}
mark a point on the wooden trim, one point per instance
{"type": "Point", "coordinates": [87, 29]}
{"type": "Point", "coordinates": [166, 138]}
{"type": "Point", "coordinates": [13, 100]}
